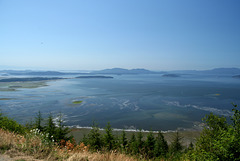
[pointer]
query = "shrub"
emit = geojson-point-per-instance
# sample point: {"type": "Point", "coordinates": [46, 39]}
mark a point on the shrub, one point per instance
{"type": "Point", "coordinates": [219, 140]}
{"type": "Point", "coordinates": [11, 125]}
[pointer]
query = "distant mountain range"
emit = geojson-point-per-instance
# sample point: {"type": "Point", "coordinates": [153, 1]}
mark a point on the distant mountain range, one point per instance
{"type": "Point", "coordinates": [217, 71]}
{"type": "Point", "coordinates": [223, 71]}
{"type": "Point", "coordinates": [121, 71]}
{"type": "Point", "coordinates": [124, 71]}
{"type": "Point", "coordinates": [35, 73]}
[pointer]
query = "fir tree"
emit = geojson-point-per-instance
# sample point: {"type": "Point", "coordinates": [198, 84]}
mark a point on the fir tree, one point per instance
{"type": "Point", "coordinates": [176, 146]}
{"type": "Point", "coordinates": [133, 144]}
{"type": "Point", "coordinates": [149, 145]}
{"type": "Point", "coordinates": [140, 141]}
{"type": "Point", "coordinates": [85, 139]}
{"type": "Point", "coordinates": [38, 121]}
{"type": "Point", "coordinates": [50, 128]}
{"type": "Point", "coordinates": [123, 140]}
{"type": "Point", "coordinates": [190, 146]}
{"type": "Point", "coordinates": [108, 138]}
{"type": "Point", "coordinates": [94, 138]}
{"type": "Point", "coordinates": [161, 146]}
{"type": "Point", "coordinates": [61, 130]}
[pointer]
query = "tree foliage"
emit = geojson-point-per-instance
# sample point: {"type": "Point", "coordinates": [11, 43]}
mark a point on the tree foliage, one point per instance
{"type": "Point", "coordinates": [140, 142]}
{"type": "Point", "coordinates": [176, 145]}
{"type": "Point", "coordinates": [161, 146]}
{"type": "Point", "coordinates": [38, 121]}
{"type": "Point", "coordinates": [95, 138]}
{"type": "Point", "coordinates": [108, 138]}
{"type": "Point", "coordinates": [149, 145]}
{"type": "Point", "coordinates": [61, 131]}
{"type": "Point", "coordinates": [50, 127]}
{"type": "Point", "coordinates": [219, 140]}
{"type": "Point", "coordinates": [123, 141]}
{"type": "Point", "coordinates": [11, 125]}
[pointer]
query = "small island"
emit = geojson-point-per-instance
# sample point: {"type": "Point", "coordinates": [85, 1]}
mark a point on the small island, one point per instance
{"type": "Point", "coordinates": [96, 76]}
{"type": "Point", "coordinates": [171, 75]}
{"type": "Point", "coordinates": [236, 76]}
{"type": "Point", "coordinates": [77, 102]}
{"type": "Point", "coordinates": [29, 79]}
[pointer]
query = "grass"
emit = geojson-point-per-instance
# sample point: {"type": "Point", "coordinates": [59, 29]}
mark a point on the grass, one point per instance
{"type": "Point", "coordinates": [77, 102]}
{"type": "Point", "coordinates": [33, 147]}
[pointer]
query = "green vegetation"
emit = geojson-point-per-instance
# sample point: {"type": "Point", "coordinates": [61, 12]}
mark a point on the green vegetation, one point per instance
{"type": "Point", "coordinates": [13, 86]}
{"type": "Point", "coordinates": [219, 140]}
{"type": "Point", "coordinates": [29, 79]}
{"type": "Point", "coordinates": [11, 125]}
{"type": "Point", "coordinates": [5, 99]}
{"type": "Point", "coordinates": [77, 102]}
{"type": "Point", "coordinates": [151, 147]}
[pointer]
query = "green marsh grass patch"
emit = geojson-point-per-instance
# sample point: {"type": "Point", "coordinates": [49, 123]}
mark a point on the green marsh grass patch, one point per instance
{"type": "Point", "coordinates": [77, 102]}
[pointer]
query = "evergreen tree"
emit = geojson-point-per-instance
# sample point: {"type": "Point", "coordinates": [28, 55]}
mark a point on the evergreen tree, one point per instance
{"type": "Point", "coordinates": [140, 141]}
{"type": "Point", "coordinates": [133, 144]}
{"type": "Point", "coordinates": [219, 140]}
{"type": "Point", "coordinates": [176, 146]}
{"type": "Point", "coordinates": [161, 146]}
{"type": "Point", "coordinates": [117, 142]}
{"type": "Point", "coordinates": [38, 121]}
{"type": "Point", "coordinates": [50, 128]}
{"type": "Point", "coordinates": [85, 139]}
{"type": "Point", "coordinates": [94, 138]}
{"type": "Point", "coordinates": [61, 130]}
{"type": "Point", "coordinates": [108, 138]}
{"type": "Point", "coordinates": [30, 124]}
{"type": "Point", "coordinates": [123, 140]}
{"type": "Point", "coordinates": [149, 145]}
{"type": "Point", "coordinates": [190, 146]}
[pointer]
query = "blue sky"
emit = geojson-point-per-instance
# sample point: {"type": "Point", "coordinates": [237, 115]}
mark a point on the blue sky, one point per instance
{"type": "Point", "coordinates": [98, 34]}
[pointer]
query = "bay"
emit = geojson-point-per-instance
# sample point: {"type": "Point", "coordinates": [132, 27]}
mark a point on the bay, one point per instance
{"type": "Point", "coordinates": [146, 102]}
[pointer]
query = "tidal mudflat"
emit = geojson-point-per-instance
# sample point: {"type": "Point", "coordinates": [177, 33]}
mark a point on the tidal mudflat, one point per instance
{"type": "Point", "coordinates": [13, 86]}
{"type": "Point", "coordinates": [145, 101]}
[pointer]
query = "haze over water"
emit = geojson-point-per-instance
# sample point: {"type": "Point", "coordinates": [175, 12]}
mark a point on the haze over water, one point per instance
{"type": "Point", "coordinates": [145, 101]}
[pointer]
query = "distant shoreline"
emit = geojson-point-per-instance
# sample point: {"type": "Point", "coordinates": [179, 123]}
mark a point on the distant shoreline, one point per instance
{"type": "Point", "coordinates": [29, 79]}
{"type": "Point", "coordinates": [91, 77]}
{"type": "Point", "coordinates": [12, 84]}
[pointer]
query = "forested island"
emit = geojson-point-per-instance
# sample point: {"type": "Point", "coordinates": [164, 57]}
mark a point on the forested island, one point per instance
{"type": "Point", "coordinates": [171, 75]}
{"type": "Point", "coordinates": [95, 76]}
{"type": "Point", "coordinates": [236, 76]}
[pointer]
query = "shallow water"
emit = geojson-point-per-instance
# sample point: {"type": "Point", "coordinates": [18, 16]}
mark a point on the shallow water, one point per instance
{"type": "Point", "coordinates": [128, 101]}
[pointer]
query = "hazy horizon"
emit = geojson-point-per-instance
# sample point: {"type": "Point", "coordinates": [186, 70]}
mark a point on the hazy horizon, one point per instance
{"type": "Point", "coordinates": [49, 69]}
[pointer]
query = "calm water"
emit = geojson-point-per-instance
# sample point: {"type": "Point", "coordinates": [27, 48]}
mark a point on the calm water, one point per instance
{"type": "Point", "coordinates": [128, 101]}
